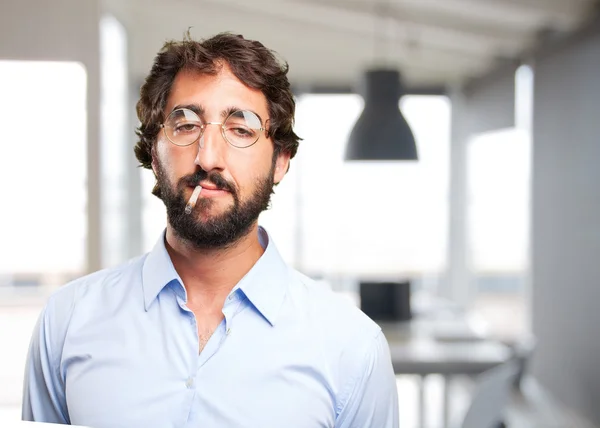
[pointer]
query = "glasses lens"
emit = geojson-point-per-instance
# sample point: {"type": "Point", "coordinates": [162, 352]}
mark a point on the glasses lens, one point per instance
{"type": "Point", "coordinates": [242, 128]}
{"type": "Point", "coordinates": [183, 127]}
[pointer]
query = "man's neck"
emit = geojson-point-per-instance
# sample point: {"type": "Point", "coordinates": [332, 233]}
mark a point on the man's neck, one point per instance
{"type": "Point", "coordinates": [209, 275]}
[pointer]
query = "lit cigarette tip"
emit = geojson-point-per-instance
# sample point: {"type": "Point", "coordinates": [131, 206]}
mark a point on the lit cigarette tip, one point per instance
{"type": "Point", "coordinates": [193, 199]}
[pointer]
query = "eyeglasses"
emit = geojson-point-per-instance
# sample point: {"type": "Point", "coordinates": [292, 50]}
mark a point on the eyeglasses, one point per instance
{"type": "Point", "coordinates": [241, 129]}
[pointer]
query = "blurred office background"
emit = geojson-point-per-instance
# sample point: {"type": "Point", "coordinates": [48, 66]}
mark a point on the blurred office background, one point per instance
{"type": "Point", "coordinates": [497, 224]}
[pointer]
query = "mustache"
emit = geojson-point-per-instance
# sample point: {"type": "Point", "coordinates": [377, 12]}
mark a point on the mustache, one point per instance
{"type": "Point", "coordinates": [212, 177]}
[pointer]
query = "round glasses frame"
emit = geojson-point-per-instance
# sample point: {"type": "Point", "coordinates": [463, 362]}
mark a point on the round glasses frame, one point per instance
{"type": "Point", "coordinates": [203, 125]}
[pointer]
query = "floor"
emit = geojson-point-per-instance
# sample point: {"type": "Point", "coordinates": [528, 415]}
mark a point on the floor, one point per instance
{"type": "Point", "coordinates": [18, 318]}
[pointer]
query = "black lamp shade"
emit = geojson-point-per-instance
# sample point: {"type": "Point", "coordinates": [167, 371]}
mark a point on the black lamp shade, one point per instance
{"type": "Point", "coordinates": [381, 133]}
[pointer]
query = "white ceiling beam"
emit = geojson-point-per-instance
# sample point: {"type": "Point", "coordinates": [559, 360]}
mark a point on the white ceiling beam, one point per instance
{"type": "Point", "coordinates": [559, 8]}
{"type": "Point", "coordinates": [562, 14]}
{"type": "Point", "coordinates": [339, 19]}
{"type": "Point", "coordinates": [430, 13]}
{"type": "Point", "coordinates": [322, 42]}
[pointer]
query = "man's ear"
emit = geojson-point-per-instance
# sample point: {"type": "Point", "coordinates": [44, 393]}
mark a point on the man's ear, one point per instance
{"type": "Point", "coordinates": [281, 166]}
{"type": "Point", "coordinates": [156, 189]}
{"type": "Point", "coordinates": [154, 160]}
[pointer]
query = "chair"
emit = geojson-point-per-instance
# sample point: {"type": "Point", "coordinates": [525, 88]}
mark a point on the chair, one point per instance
{"type": "Point", "coordinates": [523, 350]}
{"type": "Point", "coordinates": [491, 396]}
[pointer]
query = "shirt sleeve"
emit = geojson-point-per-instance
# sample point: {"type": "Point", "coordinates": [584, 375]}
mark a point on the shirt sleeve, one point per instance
{"type": "Point", "coordinates": [43, 388]}
{"type": "Point", "coordinates": [373, 398]}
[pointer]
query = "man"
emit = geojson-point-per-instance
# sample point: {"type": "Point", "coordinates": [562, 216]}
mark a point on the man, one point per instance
{"type": "Point", "coordinates": [211, 328]}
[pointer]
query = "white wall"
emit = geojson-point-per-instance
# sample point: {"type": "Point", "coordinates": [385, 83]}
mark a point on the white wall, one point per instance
{"type": "Point", "coordinates": [566, 223]}
{"type": "Point", "coordinates": [487, 104]}
{"type": "Point", "coordinates": [490, 100]}
{"type": "Point", "coordinates": [62, 30]}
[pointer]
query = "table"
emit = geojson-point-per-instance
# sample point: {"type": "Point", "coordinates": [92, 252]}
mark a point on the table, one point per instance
{"type": "Point", "coordinates": [417, 349]}
{"type": "Point", "coordinates": [448, 345]}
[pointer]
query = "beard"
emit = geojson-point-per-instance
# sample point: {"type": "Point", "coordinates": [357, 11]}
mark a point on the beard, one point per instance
{"type": "Point", "coordinates": [218, 231]}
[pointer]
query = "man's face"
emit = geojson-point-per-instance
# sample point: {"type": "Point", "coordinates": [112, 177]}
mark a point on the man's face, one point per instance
{"type": "Point", "coordinates": [236, 182]}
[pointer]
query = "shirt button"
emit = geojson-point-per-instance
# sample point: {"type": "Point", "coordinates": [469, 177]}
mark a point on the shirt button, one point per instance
{"type": "Point", "coordinates": [228, 331]}
{"type": "Point", "coordinates": [230, 297]}
{"type": "Point", "coordinates": [189, 383]}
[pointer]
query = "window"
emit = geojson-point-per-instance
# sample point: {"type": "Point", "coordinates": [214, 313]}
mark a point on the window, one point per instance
{"type": "Point", "coordinates": [43, 171]}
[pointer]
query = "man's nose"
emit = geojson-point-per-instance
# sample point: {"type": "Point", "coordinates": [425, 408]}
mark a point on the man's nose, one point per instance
{"type": "Point", "coordinates": [211, 149]}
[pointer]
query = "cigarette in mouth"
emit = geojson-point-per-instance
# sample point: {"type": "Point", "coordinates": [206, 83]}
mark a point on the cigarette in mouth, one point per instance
{"type": "Point", "coordinates": [193, 199]}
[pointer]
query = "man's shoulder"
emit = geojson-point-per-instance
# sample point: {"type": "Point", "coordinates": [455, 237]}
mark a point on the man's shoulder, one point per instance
{"type": "Point", "coordinates": [91, 293]}
{"type": "Point", "coordinates": [332, 311]}
{"type": "Point", "coordinates": [96, 283]}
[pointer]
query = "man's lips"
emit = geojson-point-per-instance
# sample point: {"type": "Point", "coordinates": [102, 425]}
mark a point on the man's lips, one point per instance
{"type": "Point", "coordinates": [210, 190]}
{"type": "Point", "coordinates": [209, 186]}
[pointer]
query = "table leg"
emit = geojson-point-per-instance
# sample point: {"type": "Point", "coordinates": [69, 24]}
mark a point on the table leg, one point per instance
{"type": "Point", "coordinates": [421, 421]}
{"type": "Point", "coordinates": [446, 403]}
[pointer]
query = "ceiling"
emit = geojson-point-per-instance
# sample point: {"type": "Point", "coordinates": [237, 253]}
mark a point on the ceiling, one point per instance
{"type": "Point", "coordinates": [329, 42]}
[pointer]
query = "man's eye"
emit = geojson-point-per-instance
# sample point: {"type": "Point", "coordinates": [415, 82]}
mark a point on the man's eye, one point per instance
{"type": "Point", "coordinates": [187, 128]}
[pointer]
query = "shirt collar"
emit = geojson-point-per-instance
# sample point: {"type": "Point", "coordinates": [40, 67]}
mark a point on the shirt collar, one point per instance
{"type": "Point", "coordinates": [158, 271]}
{"type": "Point", "coordinates": [265, 285]}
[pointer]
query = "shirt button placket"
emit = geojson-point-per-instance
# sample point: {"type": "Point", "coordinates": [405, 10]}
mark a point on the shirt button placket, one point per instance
{"type": "Point", "coordinates": [189, 383]}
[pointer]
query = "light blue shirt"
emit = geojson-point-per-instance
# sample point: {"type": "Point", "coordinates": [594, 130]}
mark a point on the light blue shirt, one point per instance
{"type": "Point", "coordinates": [119, 348]}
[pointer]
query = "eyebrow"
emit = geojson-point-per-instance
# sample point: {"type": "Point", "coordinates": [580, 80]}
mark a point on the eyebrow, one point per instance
{"type": "Point", "coordinates": [200, 111]}
{"type": "Point", "coordinates": [232, 109]}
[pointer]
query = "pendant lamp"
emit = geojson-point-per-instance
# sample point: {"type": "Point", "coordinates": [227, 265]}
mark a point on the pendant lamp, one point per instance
{"type": "Point", "coordinates": [381, 133]}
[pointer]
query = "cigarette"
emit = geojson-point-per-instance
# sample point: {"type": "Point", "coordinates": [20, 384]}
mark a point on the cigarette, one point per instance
{"type": "Point", "coordinates": [193, 199]}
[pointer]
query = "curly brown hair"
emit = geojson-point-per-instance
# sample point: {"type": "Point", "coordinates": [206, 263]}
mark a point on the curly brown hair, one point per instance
{"type": "Point", "coordinates": [250, 61]}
